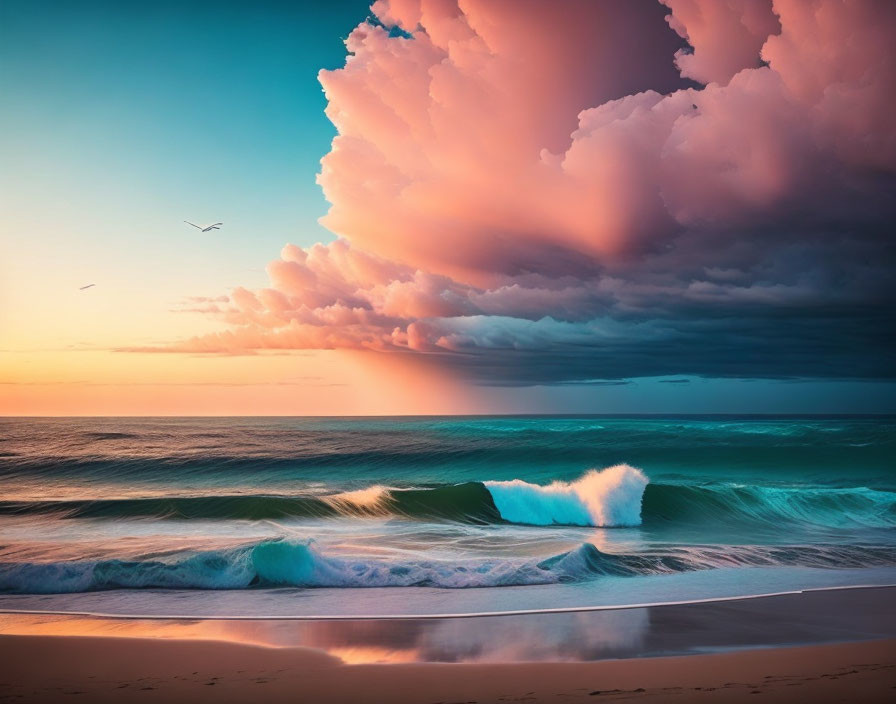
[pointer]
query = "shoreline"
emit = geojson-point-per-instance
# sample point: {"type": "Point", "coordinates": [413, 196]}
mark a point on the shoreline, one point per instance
{"type": "Point", "coordinates": [806, 618]}
{"type": "Point", "coordinates": [400, 617]}
{"type": "Point", "coordinates": [830, 645]}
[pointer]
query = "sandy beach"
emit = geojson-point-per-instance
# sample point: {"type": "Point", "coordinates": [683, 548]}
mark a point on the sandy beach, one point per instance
{"type": "Point", "coordinates": [71, 669]}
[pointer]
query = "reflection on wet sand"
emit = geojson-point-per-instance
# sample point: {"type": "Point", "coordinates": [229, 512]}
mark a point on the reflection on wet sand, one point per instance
{"type": "Point", "coordinates": [814, 617]}
{"type": "Point", "coordinates": [565, 636]}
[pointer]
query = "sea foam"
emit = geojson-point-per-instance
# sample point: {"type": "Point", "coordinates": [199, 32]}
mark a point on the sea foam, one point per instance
{"type": "Point", "coordinates": [302, 564]}
{"type": "Point", "coordinates": [605, 498]}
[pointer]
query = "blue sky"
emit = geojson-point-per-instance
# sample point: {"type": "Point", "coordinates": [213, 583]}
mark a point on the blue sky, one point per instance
{"type": "Point", "coordinates": [205, 110]}
{"type": "Point", "coordinates": [120, 121]}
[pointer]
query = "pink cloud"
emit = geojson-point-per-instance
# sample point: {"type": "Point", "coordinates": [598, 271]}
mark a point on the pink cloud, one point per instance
{"type": "Point", "coordinates": [725, 36]}
{"type": "Point", "coordinates": [509, 176]}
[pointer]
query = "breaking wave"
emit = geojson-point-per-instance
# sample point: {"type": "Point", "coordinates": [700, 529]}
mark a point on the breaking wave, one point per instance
{"type": "Point", "coordinates": [618, 496]}
{"type": "Point", "coordinates": [608, 498]}
{"type": "Point", "coordinates": [283, 563]}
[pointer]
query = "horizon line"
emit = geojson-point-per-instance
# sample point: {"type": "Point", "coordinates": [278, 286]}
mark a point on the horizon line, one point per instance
{"type": "Point", "coordinates": [480, 415]}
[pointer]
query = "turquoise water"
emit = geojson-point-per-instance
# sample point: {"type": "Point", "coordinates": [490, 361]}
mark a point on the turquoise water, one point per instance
{"type": "Point", "coordinates": [429, 511]}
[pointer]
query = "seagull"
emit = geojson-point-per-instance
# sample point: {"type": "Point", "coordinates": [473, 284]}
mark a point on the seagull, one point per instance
{"type": "Point", "coordinates": [86, 287]}
{"type": "Point", "coordinates": [205, 228]}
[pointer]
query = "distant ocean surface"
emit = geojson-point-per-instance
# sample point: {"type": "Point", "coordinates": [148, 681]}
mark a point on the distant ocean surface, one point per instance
{"type": "Point", "coordinates": [415, 516]}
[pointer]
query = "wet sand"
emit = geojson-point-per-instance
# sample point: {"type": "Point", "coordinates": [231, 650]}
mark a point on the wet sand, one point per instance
{"type": "Point", "coordinates": [807, 618]}
{"type": "Point", "coordinates": [596, 656]}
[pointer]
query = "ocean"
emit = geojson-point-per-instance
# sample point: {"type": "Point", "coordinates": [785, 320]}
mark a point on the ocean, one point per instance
{"type": "Point", "coordinates": [420, 516]}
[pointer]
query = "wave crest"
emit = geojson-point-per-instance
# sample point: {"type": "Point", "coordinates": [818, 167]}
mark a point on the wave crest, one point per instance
{"type": "Point", "coordinates": [610, 497]}
{"type": "Point", "coordinates": [616, 496]}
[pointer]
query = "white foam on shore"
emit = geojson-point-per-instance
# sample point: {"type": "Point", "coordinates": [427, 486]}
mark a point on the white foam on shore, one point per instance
{"type": "Point", "coordinates": [428, 616]}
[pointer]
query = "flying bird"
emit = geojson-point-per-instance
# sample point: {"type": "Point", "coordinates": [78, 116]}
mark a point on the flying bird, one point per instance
{"type": "Point", "coordinates": [85, 287]}
{"type": "Point", "coordinates": [205, 228]}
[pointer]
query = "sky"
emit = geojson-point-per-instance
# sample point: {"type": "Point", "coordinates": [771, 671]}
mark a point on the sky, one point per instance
{"type": "Point", "coordinates": [447, 207]}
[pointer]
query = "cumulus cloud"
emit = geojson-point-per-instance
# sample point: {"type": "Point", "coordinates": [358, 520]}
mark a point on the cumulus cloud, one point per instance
{"type": "Point", "coordinates": [544, 195]}
{"type": "Point", "coordinates": [723, 37]}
